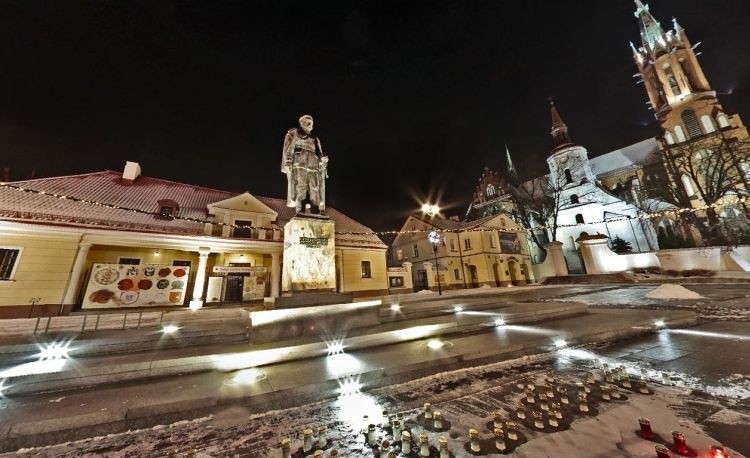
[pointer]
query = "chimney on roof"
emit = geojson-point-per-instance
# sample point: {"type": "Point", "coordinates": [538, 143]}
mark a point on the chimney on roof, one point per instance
{"type": "Point", "coordinates": [131, 172]}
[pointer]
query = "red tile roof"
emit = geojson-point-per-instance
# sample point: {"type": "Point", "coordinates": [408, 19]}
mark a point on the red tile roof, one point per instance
{"type": "Point", "coordinates": [108, 188]}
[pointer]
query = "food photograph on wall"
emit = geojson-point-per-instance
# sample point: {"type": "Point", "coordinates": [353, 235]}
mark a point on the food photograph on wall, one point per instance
{"type": "Point", "coordinates": [124, 285]}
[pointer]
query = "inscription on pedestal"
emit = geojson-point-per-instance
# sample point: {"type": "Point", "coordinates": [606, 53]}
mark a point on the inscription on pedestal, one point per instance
{"type": "Point", "coordinates": [309, 255]}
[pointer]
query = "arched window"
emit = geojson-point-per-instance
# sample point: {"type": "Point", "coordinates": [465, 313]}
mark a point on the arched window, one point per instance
{"type": "Point", "coordinates": [679, 133]}
{"type": "Point", "coordinates": [708, 125]}
{"type": "Point", "coordinates": [490, 190]}
{"type": "Point", "coordinates": [579, 218]}
{"type": "Point", "coordinates": [688, 184]}
{"type": "Point", "coordinates": [672, 80]}
{"type": "Point", "coordinates": [574, 199]}
{"type": "Point", "coordinates": [668, 137]}
{"type": "Point", "coordinates": [568, 176]}
{"type": "Point", "coordinates": [723, 121]}
{"type": "Point", "coordinates": [691, 123]}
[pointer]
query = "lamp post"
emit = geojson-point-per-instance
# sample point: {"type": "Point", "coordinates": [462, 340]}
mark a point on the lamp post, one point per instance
{"type": "Point", "coordinates": [435, 239]}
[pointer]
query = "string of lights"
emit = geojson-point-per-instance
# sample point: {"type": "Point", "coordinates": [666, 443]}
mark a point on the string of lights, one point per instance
{"type": "Point", "coordinates": [671, 212]}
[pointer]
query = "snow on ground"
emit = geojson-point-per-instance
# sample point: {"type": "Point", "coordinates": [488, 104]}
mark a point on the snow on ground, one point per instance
{"type": "Point", "coordinates": [467, 398]}
{"type": "Point", "coordinates": [672, 291]}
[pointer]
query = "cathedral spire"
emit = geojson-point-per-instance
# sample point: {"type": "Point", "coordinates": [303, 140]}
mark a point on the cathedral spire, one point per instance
{"type": "Point", "coordinates": [559, 128]}
{"type": "Point", "coordinates": [652, 34]}
{"type": "Point", "coordinates": [509, 167]}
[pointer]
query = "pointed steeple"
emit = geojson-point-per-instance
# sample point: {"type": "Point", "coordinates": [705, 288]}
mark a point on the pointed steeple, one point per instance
{"type": "Point", "coordinates": [559, 128]}
{"type": "Point", "coordinates": [509, 167]}
{"type": "Point", "coordinates": [652, 34]}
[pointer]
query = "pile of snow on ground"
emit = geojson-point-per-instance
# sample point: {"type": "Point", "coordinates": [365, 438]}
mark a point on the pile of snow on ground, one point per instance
{"type": "Point", "coordinates": [671, 291]}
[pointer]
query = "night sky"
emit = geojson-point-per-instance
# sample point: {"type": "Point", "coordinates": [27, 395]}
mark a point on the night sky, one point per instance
{"type": "Point", "coordinates": [411, 99]}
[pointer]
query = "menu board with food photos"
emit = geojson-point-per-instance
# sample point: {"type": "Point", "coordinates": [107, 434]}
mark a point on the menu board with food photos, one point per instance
{"type": "Point", "coordinates": [126, 285]}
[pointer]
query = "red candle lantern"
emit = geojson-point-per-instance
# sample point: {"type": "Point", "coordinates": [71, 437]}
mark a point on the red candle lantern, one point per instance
{"type": "Point", "coordinates": [718, 451]}
{"type": "Point", "coordinates": [680, 444]}
{"type": "Point", "coordinates": [662, 451]}
{"type": "Point", "coordinates": [645, 425]}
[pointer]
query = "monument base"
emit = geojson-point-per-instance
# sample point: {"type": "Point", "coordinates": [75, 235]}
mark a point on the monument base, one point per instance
{"type": "Point", "coordinates": [311, 298]}
{"type": "Point", "coordinates": [309, 255]}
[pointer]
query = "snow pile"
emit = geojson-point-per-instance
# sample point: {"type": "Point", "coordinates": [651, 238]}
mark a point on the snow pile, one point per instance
{"type": "Point", "coordinates": [672, 291]}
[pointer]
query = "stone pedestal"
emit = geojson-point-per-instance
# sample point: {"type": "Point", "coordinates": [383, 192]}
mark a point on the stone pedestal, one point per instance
{"type": "Point", "coordinates": [309, 255]}
{"type": "Point", "coordinates": [555, 254]}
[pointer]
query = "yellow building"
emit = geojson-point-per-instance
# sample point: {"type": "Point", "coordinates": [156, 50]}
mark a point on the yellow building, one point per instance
{"type": "Point", "coordinates": [119, 239]}
{"type": "Point", "coordinates": [490, 251]}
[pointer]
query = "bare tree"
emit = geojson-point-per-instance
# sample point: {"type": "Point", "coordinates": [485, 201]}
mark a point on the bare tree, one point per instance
{"type": "Point", "coordinates": [703, 171]}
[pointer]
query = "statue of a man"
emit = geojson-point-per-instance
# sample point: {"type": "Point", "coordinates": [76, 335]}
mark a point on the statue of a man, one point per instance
{"type": "Point", "coordinates": [305, 166]}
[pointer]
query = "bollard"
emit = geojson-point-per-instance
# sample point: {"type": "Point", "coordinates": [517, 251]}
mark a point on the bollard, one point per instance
{"type": "Point", "coordinates": [322, 439]}
{"type": "Point", "coordinates": [645, 425]}
{"type": "Point", "coordinates": [590, 378]}
{"type": "Point", "coordinates": [424, 445]}
{"type": "Point", "coordinates": [372, 439]}
{"type": "Point", "coordinates": [556, 410]}
{"type": "Point", "coordinates": [530, 397]}
{"type": "Point", "coordinates": [474, 441]}
{"type": "Point", "coordinates": [334, 454]}
{"type": "Point", "coordinates": [365, 422]}
{"type": "Point", "coordinates": [497, 421]}
{"type": "Point", "coordinates": [500, 440]}
{"type": "Point", "coordinates": [680, 444]}
{"type": "Point", "coordinates": [550, 393]}
{"type": "Point", "coordinates": [615, 393]}
{"type": "Point", "coordinates": [286, 448]}
{"type": "Point", "coordinates": [530, 386]}
{"type": "Point", "coordinates": [405, 442]}
{"type": "Point", "coordinates": [520, 411]}
{"type": "Point", "coordinates": [553, 420]}
{"type": "Point", "coordinates": [564, 399]}
{"type": "Point", "coordinates": [443, 446]}
{"type": "Point", "coordinates": [307, 440]}
{"type": "Point", "coordinates": [318, 454]}
{"type": "Point", "coordinates": [386, 421]}
{"type": "Point", "coordinates": [396, 430]}
{"type": "Point", "coordinates": [643, 388]}
{"type": "Point", "coordinates": [665, 379]}
{"type": "Point", "coordinates": [437, 420]}
{"type": "Point", "coordinates": [605, 393]}
{"type": "Point", "coordinates": [427, 411]}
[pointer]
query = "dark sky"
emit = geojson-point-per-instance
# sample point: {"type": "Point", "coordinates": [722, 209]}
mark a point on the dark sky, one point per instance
{"type": "Point", "coordinates": [411, 99]}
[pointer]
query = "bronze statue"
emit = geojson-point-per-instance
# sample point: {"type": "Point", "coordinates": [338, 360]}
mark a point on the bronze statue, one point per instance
{"type": "Point", "coordinates": [305, 166]}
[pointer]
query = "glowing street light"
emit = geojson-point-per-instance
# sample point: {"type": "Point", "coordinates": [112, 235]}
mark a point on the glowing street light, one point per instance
{"type": "Point", "coordinates": [435, 239]}
{"type": "Point", "coordinates": [430, 209]}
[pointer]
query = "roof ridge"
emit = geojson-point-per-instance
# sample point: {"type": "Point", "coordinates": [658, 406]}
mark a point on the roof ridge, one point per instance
{"type": "Point", "coordinates": [101, 172]}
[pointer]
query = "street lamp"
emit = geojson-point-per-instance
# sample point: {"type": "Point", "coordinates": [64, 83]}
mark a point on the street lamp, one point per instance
{"type": "Point", "coordinates": [435, 239]}
{"type": "Point", "coordinates": [430, 210]}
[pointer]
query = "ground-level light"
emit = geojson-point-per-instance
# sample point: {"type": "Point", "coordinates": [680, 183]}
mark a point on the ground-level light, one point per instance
{"type": "Point", "coordinates": [499, 322]}
{"type": "Point", "coordinates": [169, 329]}
{"type": "Point", "coordinates": [560, 343]}
{"type": "Point", "coordinates": [435, 344]}
{"type": "Point", "coordinates": [53, 350]}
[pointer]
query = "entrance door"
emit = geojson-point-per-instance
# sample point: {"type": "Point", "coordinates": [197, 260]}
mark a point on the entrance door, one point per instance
{"type": "Point", "coordinates": [515, 274]}
{"type": "Point", "coordinates": [421, 281]}
{"type": "Point", "coordinates": [233, 288]}
{"type": "Point", "coordinates": [474, 276]}
{"type": "Point", "coordinates": [496, 273]}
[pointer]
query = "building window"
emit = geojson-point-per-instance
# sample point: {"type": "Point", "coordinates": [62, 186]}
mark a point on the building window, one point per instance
{"type": "Point", "coordinates": [708, 125]}
{"type": "Point", "coordinates": [680, 133]}
{"type": "Point", "coordinates": [574, 198]}
{"type": "Point", "coordinates": [492, 240]}
{"type": "Point", "coordinates": [8, 262]}
{"type": "Point", "coordinates": [688, 184]}
{"type": "Point", "coordinates": [456, 274]}
{"type": "Point", "coordinates": [129, 261]}
{"type": "Point", "coordinates": [467, 244]}
{"type": "Point", "coordinates": [568, 176]}
{"type": "Point", "coordinates": [396, 282]}
{"type": "Point", "coordinates": [453, 245]}
{"type": "Point", "coordinates": [366, 272]}
{"type": "Point", "coordinates": [415, 251]}
{"type": "Point", "coordinates": [668, 137]}
{"type": "Point", "coordinates": [400, 254]}
{"type": "Point", "coordinates": [579, 218]}
{"type": "Point", "coordinates": [490, 190]}
{"type": "Point", "coordinates": [691, 123]}
{"type": "Point", "coordinates": [723, 121]}
{"type": "Point", "coordinates": [672, 80]}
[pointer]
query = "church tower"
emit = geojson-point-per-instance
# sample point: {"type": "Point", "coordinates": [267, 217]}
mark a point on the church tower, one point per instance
{"type": "Point", "coordinates": [679, 93]}
{"type": "Point", "coordinates": [569, 165]}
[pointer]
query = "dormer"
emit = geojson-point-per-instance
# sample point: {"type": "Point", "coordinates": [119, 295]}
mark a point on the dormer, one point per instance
{"type": "Point", "coordinates": [241, 215]}
{"type": "Point", "coordinates": [168, 208]}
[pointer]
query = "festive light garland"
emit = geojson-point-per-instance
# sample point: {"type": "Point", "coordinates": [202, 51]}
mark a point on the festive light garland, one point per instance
{"type": "Point", "coordinates": [675, 212]}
